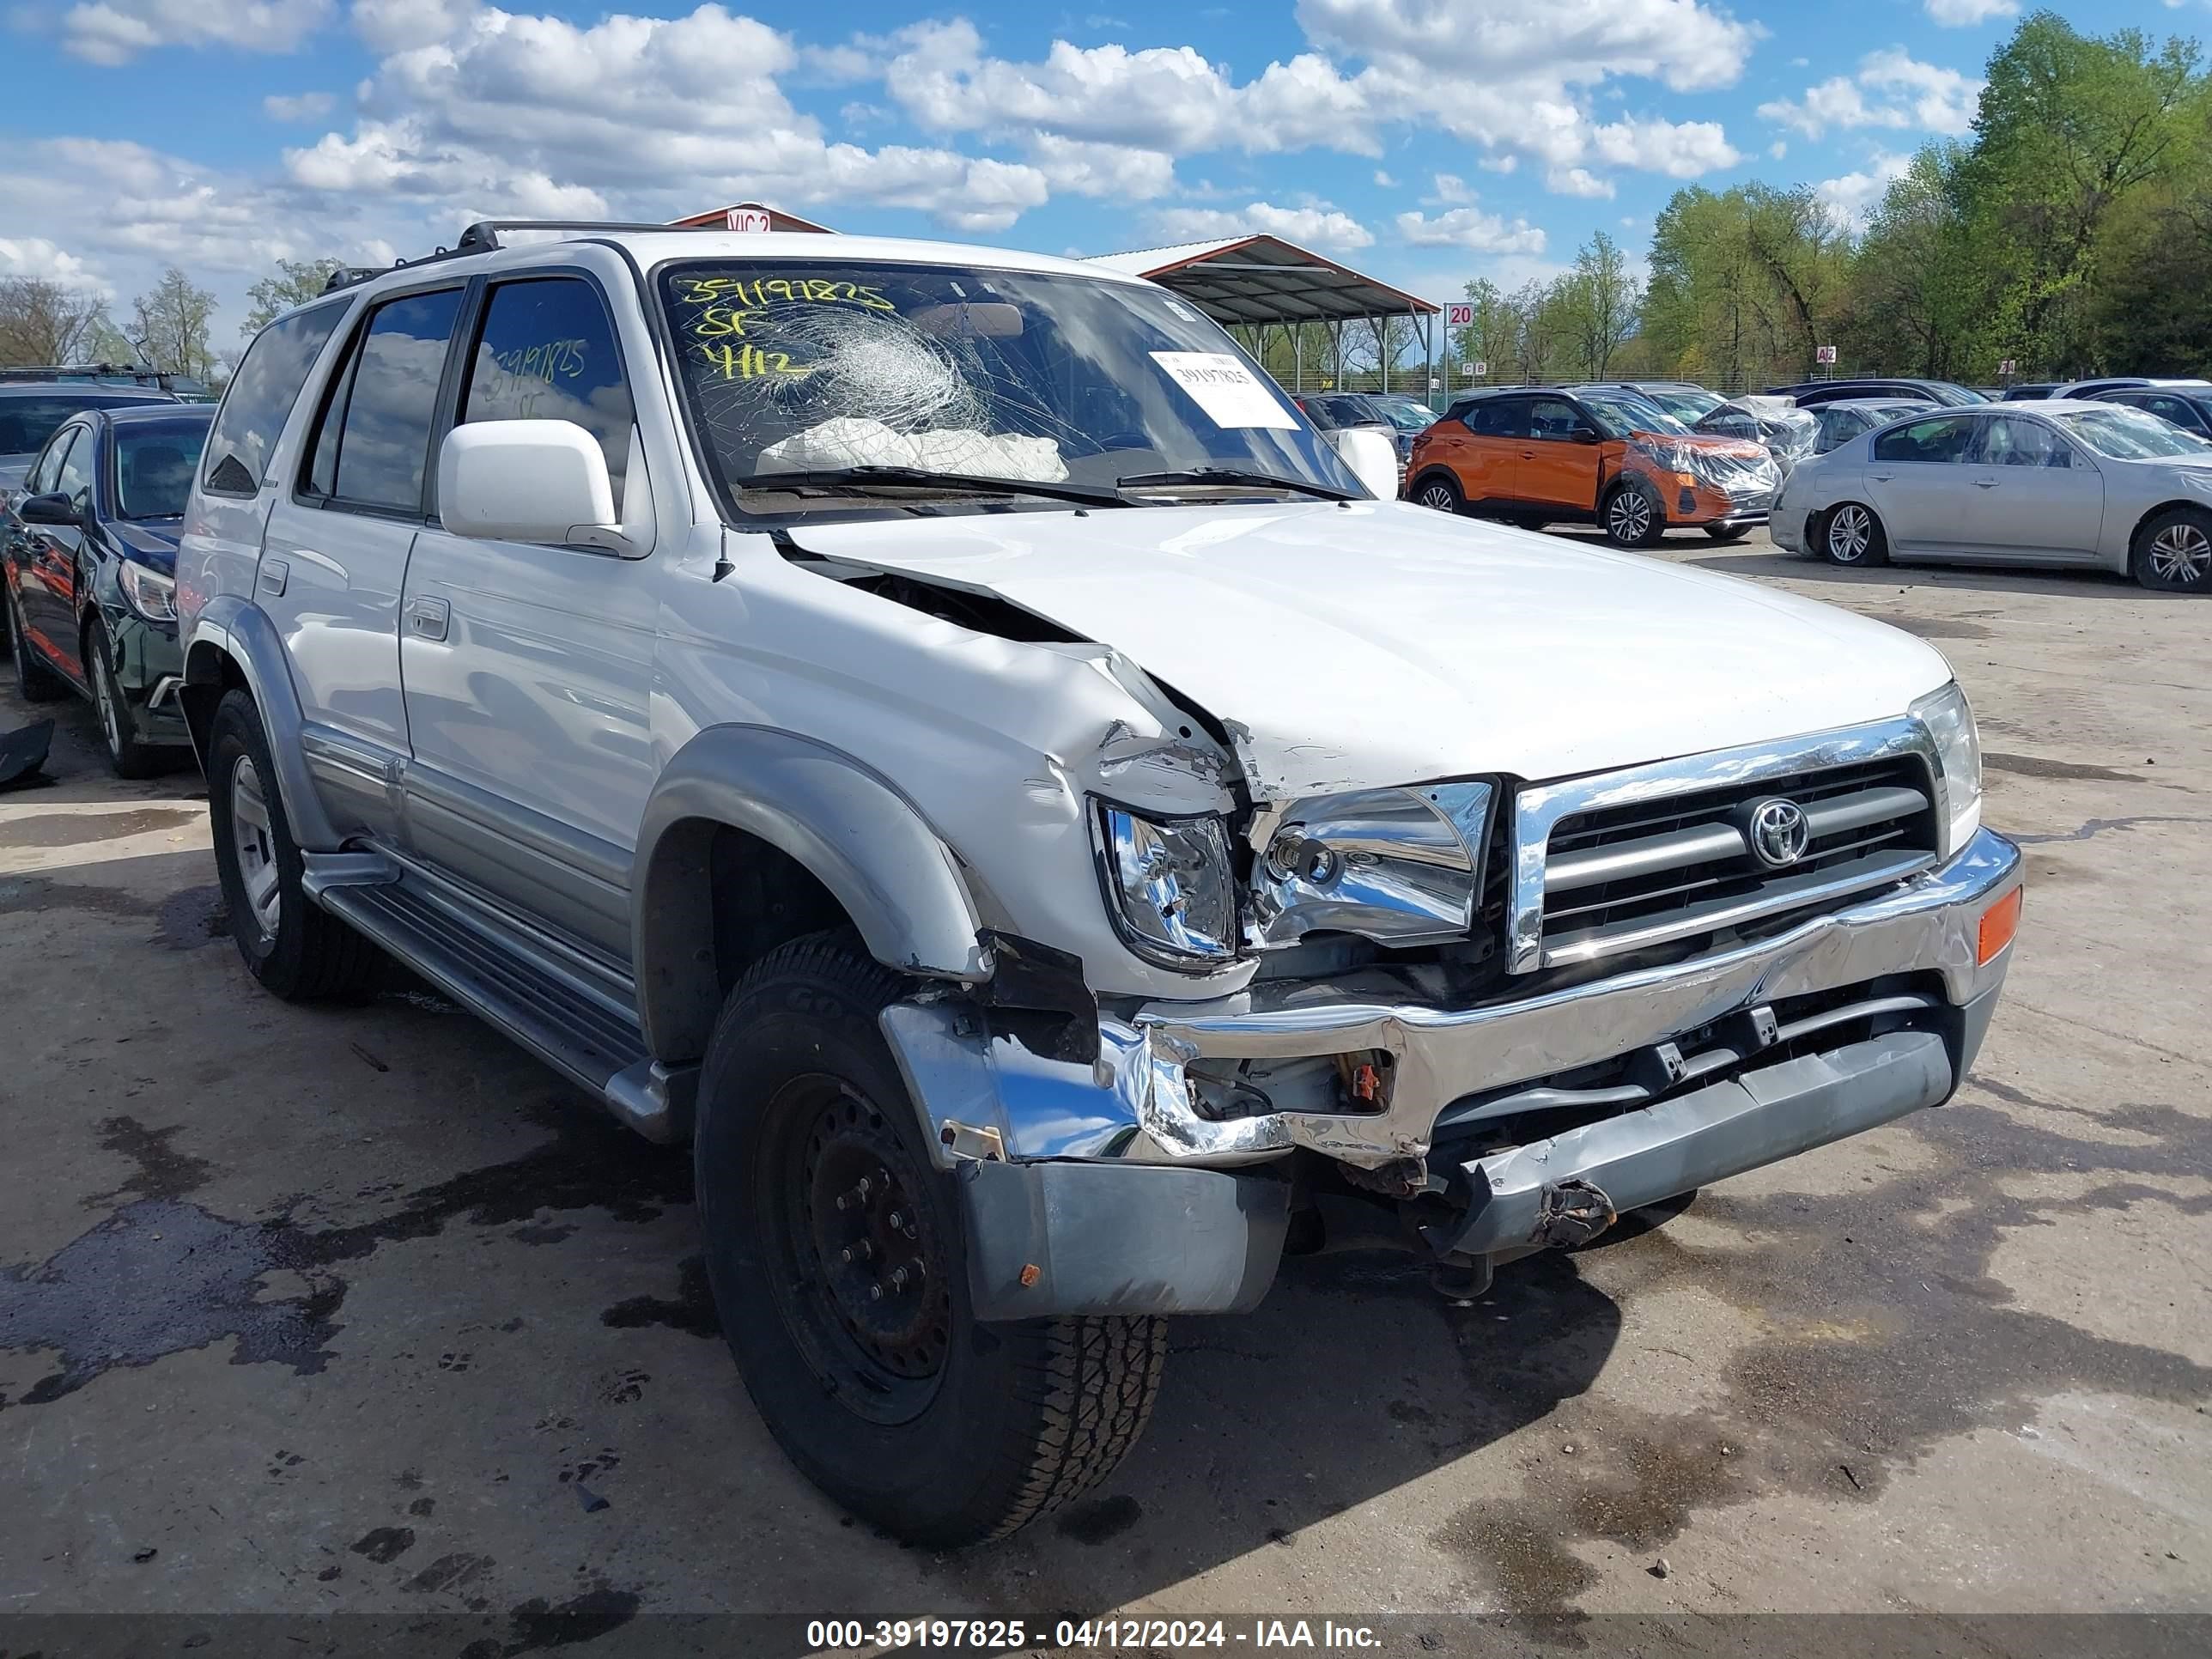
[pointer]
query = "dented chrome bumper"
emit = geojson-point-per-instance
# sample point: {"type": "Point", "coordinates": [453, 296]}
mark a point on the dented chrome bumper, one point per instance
{"type": "Point", "coordinates": [992, 1097]}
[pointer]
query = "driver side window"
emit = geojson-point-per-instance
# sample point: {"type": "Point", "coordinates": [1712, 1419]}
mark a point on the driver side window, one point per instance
{"type": "Point", "coordinates": [1550, 417]}
{"type": "Point", "coordinates": [46, 472]}
{"type": "Point", "coordinates": [75, 478]}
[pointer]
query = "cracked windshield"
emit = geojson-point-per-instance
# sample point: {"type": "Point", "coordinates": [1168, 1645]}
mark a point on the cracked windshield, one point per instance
{"type": "Point", "coordinates": [805, 379]}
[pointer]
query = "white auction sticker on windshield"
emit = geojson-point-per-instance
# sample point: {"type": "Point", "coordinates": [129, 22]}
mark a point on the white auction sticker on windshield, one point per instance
{"type": "Point", "coordinates": [1224, 389]}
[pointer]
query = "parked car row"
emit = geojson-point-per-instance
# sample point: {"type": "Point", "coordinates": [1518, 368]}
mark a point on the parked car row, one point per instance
{"type": "Point", "coordinates": [850, 794]}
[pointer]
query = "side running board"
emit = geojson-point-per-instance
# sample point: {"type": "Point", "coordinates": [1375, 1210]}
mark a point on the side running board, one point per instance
{"type": "Point", "coordinates": [549, 1005]}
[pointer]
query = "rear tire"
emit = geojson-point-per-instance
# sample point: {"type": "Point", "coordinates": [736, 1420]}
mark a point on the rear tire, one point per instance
{"type": "Point", "coordinates": [1850, 535]}
{"type": "Point", "coordinates": [1633, 515]}
{"type": "Point", "coordinates": [296, 949]}
{"type": "Point", "coordinates": [1438, 491]}
{"type": "Point", "coordinates": [34, 681]}
{"type": "Point", "coordinates": [888, 1395]}
{"type": "Point", "coordinates": [2173, 551]}
{"type": "Point", "coordinates": [129, 757]}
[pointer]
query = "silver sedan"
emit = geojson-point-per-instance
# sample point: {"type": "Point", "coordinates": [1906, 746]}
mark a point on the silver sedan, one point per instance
{"type": "Point", "coordinates": [2047, 483]}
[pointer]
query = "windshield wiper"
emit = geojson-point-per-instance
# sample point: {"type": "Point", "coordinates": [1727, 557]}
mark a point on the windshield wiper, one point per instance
{"type": "Point", "coordinates": [965, 483]}
{"type": "Point", "coordinates": [1226, 475]}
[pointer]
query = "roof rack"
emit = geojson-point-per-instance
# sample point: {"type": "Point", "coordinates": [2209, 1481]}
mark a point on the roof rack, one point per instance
{"type": "Point", "coordinates": [78, 371]}
{"type": "Point", "coordinates": [482, 237]}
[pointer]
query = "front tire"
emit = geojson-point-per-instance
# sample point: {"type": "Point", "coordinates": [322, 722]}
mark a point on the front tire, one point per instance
{"type": "Point", "coordinates": [1727, 533]}
{"type": "Point", "coordinates": [835, 1253]}
{"type": "Point", "coordinates": [129, 757]}
{"type": "Point", "coordinates": [34, 681]}
{"type": "Point", "coordinates": [2173, 551]}
{"type": "Point", "coordinates": [1634, 517]}
{"type": "Point", "coordinates": [297, 950]}
{"type": "Point", "coordinates": [1441, 492]}
{"type": "Point", "coordinates": [1850, 536]}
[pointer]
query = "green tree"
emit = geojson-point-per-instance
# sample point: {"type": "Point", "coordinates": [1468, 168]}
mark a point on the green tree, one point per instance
{"type": "Point", "coordinates": [294, 282]}
{"type": "Point", "coordinates": [1596, 304]}
{"type": "Point", "coordinates": [170, 329]}
{"type": "Point", "coordinates": [43, 322]}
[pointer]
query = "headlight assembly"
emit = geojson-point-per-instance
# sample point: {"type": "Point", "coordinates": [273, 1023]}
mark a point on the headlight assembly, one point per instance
{"type": "Point", "coordinates": [1399, 866]}
{"type": "Point", "coordinates": [151, 594]}
{"type": "Point", "coordinates": [1950, 722]}
{"type": "Point", "coordinates": [1169, 886]}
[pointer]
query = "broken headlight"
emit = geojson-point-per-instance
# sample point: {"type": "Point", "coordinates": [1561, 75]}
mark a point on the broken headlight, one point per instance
{"type": "Point", "coordinates": [1949, 721]}
{"type": "Point", "coordinates": [1169, 886]}
{"type": "Point", "coordinates": [1399, 866]}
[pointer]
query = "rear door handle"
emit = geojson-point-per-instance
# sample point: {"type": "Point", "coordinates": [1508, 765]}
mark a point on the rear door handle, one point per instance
{"type": "Point", "coordinates": [1985, 483]}
{"type": "Point", "coordinates": [428, 618]}
{"type": "Point", "coordinates": [1881, 478]}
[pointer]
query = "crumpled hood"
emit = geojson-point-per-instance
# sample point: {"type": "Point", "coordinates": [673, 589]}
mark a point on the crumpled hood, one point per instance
{"type": "Point", "coordinates": [1378, 643]}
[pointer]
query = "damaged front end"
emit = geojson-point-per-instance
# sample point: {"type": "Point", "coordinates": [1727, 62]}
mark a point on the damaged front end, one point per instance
{"type": "Point", "coordinates": [1724, 483]}
{"type": "Point", "coordinates": [1430, 1099]}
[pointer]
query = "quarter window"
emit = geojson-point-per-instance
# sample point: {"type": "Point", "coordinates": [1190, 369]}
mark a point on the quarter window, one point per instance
{"type": "Point", "coordinates": [372, 444]}
{"type": "Point", "coordinates": [261, 397]}
{"type": "Point", "coordinates": [547, 353]}
{"type": "Point", "coordinates": [1939, 438]}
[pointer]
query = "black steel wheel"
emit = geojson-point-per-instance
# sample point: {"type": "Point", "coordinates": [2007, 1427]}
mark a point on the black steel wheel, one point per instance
{"type": "Point", "coordinates": [835, 1252]}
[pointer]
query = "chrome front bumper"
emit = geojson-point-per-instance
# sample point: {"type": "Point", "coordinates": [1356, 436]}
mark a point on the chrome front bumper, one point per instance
{"type": "Point", "coordinates": [994, 1098]}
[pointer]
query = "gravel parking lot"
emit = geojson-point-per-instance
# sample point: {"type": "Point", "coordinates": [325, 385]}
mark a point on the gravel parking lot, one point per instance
{"type": "Point", "coordinates": [360, 1308]}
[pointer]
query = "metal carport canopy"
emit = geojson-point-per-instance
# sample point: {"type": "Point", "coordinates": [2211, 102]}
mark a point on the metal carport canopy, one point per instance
{"type": "Point", "coordinates": [1263, 280]}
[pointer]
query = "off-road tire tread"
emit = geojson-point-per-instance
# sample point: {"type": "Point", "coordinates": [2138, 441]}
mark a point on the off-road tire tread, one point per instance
{"type": "Point", "coordinates": [1092, 1382]}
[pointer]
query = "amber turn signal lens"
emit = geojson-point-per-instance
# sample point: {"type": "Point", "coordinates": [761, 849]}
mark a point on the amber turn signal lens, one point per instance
{"type": "Point", "coordinates": [1999, 923]}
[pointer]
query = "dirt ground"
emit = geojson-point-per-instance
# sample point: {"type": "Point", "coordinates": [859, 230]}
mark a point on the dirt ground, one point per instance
{"type": "Point", "coordinates": [360, 1308]}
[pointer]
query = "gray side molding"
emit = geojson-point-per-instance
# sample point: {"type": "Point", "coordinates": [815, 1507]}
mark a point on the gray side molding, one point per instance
{"type": "Point", "coordinates": [850, 826]}
{"type": "Point", "coordinates": [237, 627]}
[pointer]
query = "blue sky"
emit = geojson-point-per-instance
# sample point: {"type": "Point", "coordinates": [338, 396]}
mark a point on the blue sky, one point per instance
{"type": "Point", "coordinates": [1429, 140]}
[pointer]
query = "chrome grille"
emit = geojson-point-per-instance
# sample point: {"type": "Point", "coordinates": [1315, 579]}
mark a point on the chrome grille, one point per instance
{"type": "Point", "coordinates": [1662, 854]}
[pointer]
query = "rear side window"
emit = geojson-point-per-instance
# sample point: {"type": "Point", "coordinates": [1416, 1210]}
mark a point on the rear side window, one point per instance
{"type": "Point", "coordinates": [372, 446]}
{"type": "Point", "coordinates": [547, 353]}
{"type": "Point", "coordinates": [1942, 438]}
{"type": "Point", "coordinates": [261, 397]}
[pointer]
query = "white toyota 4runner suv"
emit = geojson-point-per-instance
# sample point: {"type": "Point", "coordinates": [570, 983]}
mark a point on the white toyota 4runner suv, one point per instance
{"type": "Point", "coordinates": [936, 729]}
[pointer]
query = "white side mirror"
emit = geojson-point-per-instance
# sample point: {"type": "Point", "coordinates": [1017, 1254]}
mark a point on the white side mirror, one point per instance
{"type": "Point", "coordinates": [1372, 458]}
{"type": "Point", "coordinates": [524, 481]}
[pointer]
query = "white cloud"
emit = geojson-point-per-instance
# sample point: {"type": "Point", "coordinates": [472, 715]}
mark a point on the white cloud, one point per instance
{"type": "Point", "coordinates": [1471, 228]}
{"type": "Point", "coordinates": [1578, 181]}
{"type": "Point", "coordinates": [1778, 149]}
{"type": "Point", "coordinates": [398, 25]}
{"type": "Point", "coordinates": [298, 107]}
{"type": "Point", "coordinates": [1117, 171]}
{"type": "Point", "coordinates": [537, 115]}
{"type": "Point", "coordinates": [1856, 194]}
{"type": "Point", "coordinates": [111, 32]}
{"type": "Point", "coordinates": [36, 256]}
{"type": "Point", "coordinates": [1450, 190]}
{"type": "Point", "coordinates": [1384, 180]}
{"type": "Point", "coordinates": [1319, 226]}
{"type": "Point", "coordinates": [1964, 14]}
{"type": "Point", "coordinates": [1892, 89]}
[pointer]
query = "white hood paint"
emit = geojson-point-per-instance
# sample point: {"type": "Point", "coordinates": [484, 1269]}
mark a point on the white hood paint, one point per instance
{"type": "Point", "coordinates": [1381, 643]}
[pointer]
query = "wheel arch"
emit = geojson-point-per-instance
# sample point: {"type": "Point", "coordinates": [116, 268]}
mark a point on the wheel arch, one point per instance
{"type": "Point", "coordinates": [838, 843]}
{"type": "Point", "coordinates": [234, 646]}
{"type": "Point", "coordinates": [1436, 471]}
{"type": "Point", "coordinates": [2203, 509]}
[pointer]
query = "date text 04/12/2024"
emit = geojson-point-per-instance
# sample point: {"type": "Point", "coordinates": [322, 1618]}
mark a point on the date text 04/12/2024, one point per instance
{"type": "Point", "coordinates": [844, 1635]}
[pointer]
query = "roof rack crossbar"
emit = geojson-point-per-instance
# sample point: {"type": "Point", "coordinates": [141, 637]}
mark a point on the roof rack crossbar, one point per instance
{"type": "Point", "coordinates": [480, 237]}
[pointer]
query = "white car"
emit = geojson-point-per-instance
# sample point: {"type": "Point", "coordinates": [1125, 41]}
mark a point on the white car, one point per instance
{"type": "Point", "coordinates": [2057, 482]}
{"type": "Point", "coordinates": [935, 728]}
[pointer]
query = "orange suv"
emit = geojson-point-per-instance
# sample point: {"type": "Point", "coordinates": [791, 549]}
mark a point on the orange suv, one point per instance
{"type": "Point", "coordinates": [1591, 457]}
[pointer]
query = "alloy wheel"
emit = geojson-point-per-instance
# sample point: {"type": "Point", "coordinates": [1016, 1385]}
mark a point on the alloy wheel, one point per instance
{"type": "Point", "coordinates": [2179, 556]}
{"type": "Point", "coordinates": [1629, 518]}
{"type": "Point", "coordinates": [1850, 532]}
{"type": "Point", "coordinates": [1439, 496]}
{"type": "Point", "coordinates": [103, 698]}
{"type": "Point", "coordinates": [255, 842]}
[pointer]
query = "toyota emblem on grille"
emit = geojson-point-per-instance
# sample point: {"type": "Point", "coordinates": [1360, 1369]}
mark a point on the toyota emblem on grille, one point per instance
{"type": "Point", "coordinates": [1779, 833]}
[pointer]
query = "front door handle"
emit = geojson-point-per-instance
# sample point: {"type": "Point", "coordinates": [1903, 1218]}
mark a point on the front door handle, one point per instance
{"type": "Point", "coordinates": [1985, 483]}
{"type": "Point", "coordinates": [427, 619]}
{"type": "Point", "coordinates": [1881, 478]}
{"type": "Point", "coordinates": [275, 573]}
